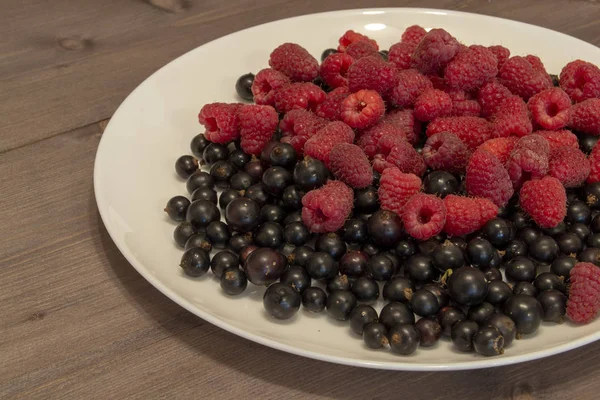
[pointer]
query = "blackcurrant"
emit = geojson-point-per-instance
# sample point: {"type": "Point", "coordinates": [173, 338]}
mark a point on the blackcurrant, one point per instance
{"type": "Point", "coordinates": [366, 201]}
{"type": "Point", "coordinates": [488, 341]}
{"type": "Point", "coordinates": [480, 252]}
{"type": "Point", "coordinates": [201, 213]}
{"type": "Point", "coordinates": [264, 266]}
{"type": "Point", "coordinates": [467, 286]}
{"type": "Point", "coordinates": [291, 198]}
{"type": "Point", "coordinates": [462, 333]}
{"type": "Point", "coordinates": [360, 316]}
{"type": "Point", "coordinates": [327, 52]}
{"type": "Point", "coordinates": [300, 255]}
{"type": "Point", "coordinates": [198, 144]}
{"type": "Point", "coordinates": [554, 304]}
{"type": "Point", "coordinates": [223, 260]}
{"type": "Point", "coordinates": [375, 335]}
{"type": "Point", "coordinates": [505, 325]}
{"type": "Point", "coordinates": [380, 267]}
{"type": "Point", "coordinates": [520, 269]}
{"type": "Point", "coordinates": [218, 234]}
{"type": "Point", "coordinates": [498, 293]}
{"type": "Point", "coordinates": [281, 301]}
{"type": "Point", "coordinates": [227, 196]}
{"type": "Point", "coordinates": [240, 181]}
{"type": "Point", "coordinates": [340, 303]}
{"type": "Point", "coordinates": [405, 249]}
{"type": "Point", "coordinates": [404, 339]}
{"type": "Point", "coordinates": [205, 193]}
{"type": "Point", "coordinates": [243, 86]}
{"type": "Point", "coordinates": [222, 171]}
{"type": "Point", "coordinates": [395, 313]}
{"type": "Point", "coordinates": [310, 174]}
{"type": "Point", "coordinates": [199, 179]}
{"type": "Point", "coordinates": [233, 281]}
{"type": "Point", "coordinates": [242, 214]}
{"type": "Point", "coordinates": [215, 152]}
{"type": "Point", "coordinates": [269, 234]}
{"type": "Point", "coordinates": [185, 166]}
{"type": "Point", "coordinates": [296, 277]}
{"type": "Point", "coordinates": [258, 193]}
{"type": "Point", "coordinates": [525, 288]}
{"type": "Point", "coordinates": [238, 241]}
{"type": "Point", "coordinates": [526, 311]}
{"type": "Point", "coordinates": [515, 248]}
{"type": "Point", "coordinates": [321, 265]}
{"type": "Point", "coordinates": [365, 289]}
{"type": "Point", "coordinates": [498, 232]}
{"type": "Point", "coordinates": [353, 263]}
{"type": "Point", "coordinates": [448, 316]}
{"type": "Point", "coordinates": [355, 231]}
{"type": "Point", "coordinates": [447, 256]}
{"type": "Point", "coordinates": [314, 299]}
{"type": "Point", "coordinates": [440, 183]}
{"type": "Point", "coordinates": [195, 262]}
{"type": "Point", "coordinates": [430, 331]}
{"type": "Point", "coordinates": [176, 208]}
{"type": "Point", "coordinates": [239, 159]}
{"type": "Point", "coordinates": [578, 212]}
{"type": "Point", "coordinates": [424, 303]}
{"type": "Point", "coordinates": [420, 268]}
{"type": "Point", "coordinates": [544, 249]}
{"type": "Point", "coordinates": [296, 234]}
{"type": "Point", "coordinates": [332, 244]}
{"type": "Point", "coordinates": [281, 155]}
{"type": "Point", "coordinates": [183, 232]}
{"type": "Point", "coordinates": [480, 312]}
{"type": "Point", "coordinates": [563, 265]}
{"type": "Point", "coordinates": [591, 255]}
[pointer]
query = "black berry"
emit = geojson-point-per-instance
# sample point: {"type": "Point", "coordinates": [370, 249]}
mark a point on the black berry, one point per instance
{"type": "Point", "coordinates": [186, 166]}
{"type": "Point", "coordinates": [264, 266]}
{"type": "Point", "coordinates": [340, 303]}
{"type": "Point", "coordinates": [488, 341]}
{"type": "Point", "coordinates": [314, 299]}
{"type": "Point", "coordinates": [281, 301]}
{"type": "Point", "coordinates": [404, 339]}
{"type": "Point", "coordinates": [233, 281]}
{"type": "Point", "coordinates": [296, 277]}
{"type": "Point", "coordinates": [195, 262]}
{"type": "Point", "coordinates": [176, 208]}
{"type": "Point", "coordinates": [243, 86]}
{"type": "Point", "coordinates": [365, 289]}
{"type": "Point", "coordinates": [440, 183]}
{"type": "Point", "coordinates": [242, 214]}
{"type": "Point", "coordinates": [526, 311]}
{"type": "Point", "coordinates": [360, 316]}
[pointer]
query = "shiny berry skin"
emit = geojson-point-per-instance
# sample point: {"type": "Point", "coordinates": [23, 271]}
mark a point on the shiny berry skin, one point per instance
{"type": "Point", "coordinates": [321, 265]}
{"type": "Point", "coordinates": [587, 142]}
{"type": "Point", "coordinates": [395, 313]}
{"type": "Point", "coordinates": [430, 331]}
{"type": "Point", "coordinates": [185, 166]}
{"type": "Point", "coordinates": [296, 234]}
{"type": "Point", "coordinates": [498, 293]}
{"type": "Point", "coordinates": [439, 292]}
{"type": "Point", "coordinates": [544, 249]}
{"type": "Point", "coordinates": [239, 241]}
{"type": "Point", "coordinates": [405, 249]}
{"type": "Point", "coordinates": [529, 235]}
{"type": "Point", "coordinates": [505, 326]}
{"type": "Point", "coordinates": [242, 215]}
{"type": "Point", "coordinates": [404, 339]}
{"type": "Point", "coordinates": [195, 262]}
{"type": "Point", "coordinates": [365, 289]}
{"type": "Point", "coordinates": [205, 193]}
{"type": "Point", "coordinates": [314, 299]}
{"type": "Point", "coordinates": [480, 252]}
{"type": "Point", "coordinates": [255, 169]}
{"type": "Point", "coordinates": [370, 249]}
{"type": "Point", "coordinates": [281, 155]}
{"type": "Point", "coordinates": [480, 312]}
{"type": "Point", "coordinates": [448, 316]}
{"type": "Point", "coordinates": [584, 231]}
{"type": "Point", "coordinates": [223, 260]}
{"type": "Point", "coordinates": [338, 282]}
{"type": "Point", "coordinates": [594, 240]}
{"type": "Point", "coordinates": [222, 171]}
{"type": "Point", "coordinates": [591, 255]}
{"type": "Point", "coordinates": [569, 243]}
{"type": "Point", "coordinates": [562, 266]}
{"type": "Point", "coordinates": [275, 180]}
{"type": "Point", "coordinates": [520, 269]}
{"type": "Point", "coordinates": [385, 228]}
{"type": "Point", "coordinates": [218, 234]}
{"type": "Point", "coordinates": [240, 180]}
{"type": "Point", "coordinates": [227, 196]}
{"type": "Point", "coordinates": [519, 220]}
{"type": "Point", "coordinates": [424, 303]}
{"type": "Point", "coordinates": [243, 86]}
{"type": "Point", "coordinates": [281, 301]}
{"type": "Point", "coordinates": [300, 255]}
{"type": "Point", "coordinates": [554, 304]}
{"type": "Point", "coordinates": [462, 334]}
{"type": "Point", "coordinates": [183, 232]}
{"type": "Point", "coordinates": [355, 231]}
{"type": "Point", "coordinates": [215, 152]}
{"type": "Point", "coordinates": [398, 289]}
{"type": "Point", "coordinates": [360, 316]}
{"type": "Point", "coordinates": [198, 144]}
{"type": "Point", "coordinates": [375, 335]}
{"type": "Point", "coordinates": [201, 213]}
{"type": "Point", "coordinates": [199, 179]}
{"type": "Point", "coordinates": [310, 174]}
{"type": "Point", "coordinates": [492, 274]}
{"type": "Point", "coordinates": [258, 193]}
{"type": "Point", "coordinates": [578, 212]}
{"type": "Point", "coordinates": [488, 341]}
{"type": "Point", "coordinates": [380, 267]}
{"type": "Point", "coordinates": [467, 286]}
{"type": "Point", "coordinates": [264, 266]}
{"type": "Point", "coordinates": [526, 311]}
{"type": "Point", "coordinates": [556, 230]}
{"type": "Point", "coordinates": [327, 52]}
{"type": "Point", "coordinates": [239, 159]}
{"type": "Point", "coordinates": [246, 251]}
{"type": "Point", "coordinates": [269, 234]}
{"type": "Point", "coordinates": [420, 268]}
{"type": "Point", "coordinates": [498, 232]}
{"type": "Point", "coordinates": [366, 200]}
{"type": "Point", "coordinates": [440, 183]}
{"type": "Point", "coordinates": [525, 288]}
{"type": "Point", "coordinates": [296, 277]}
{"type": "Point", "coordinates": [233, 281]}
{"type": "Point", "coordinates": [340, 303]}
{"type": "Point", "coordinates": [295, 216]}
{"type": "Point", "coordinates": [332, 244]}
{"type": "Point", "coordinates": [272, 213]}
{"type": "Point", "coordinates": [176, 208]}
{"type": "Point", "coordinates": [353, 263]}
{"type": "Point", "coordinates": [291, 198]}
{"type": "Point", "coordinates": [548, 280]}
{"type": "Point", "coordinates": [447, 256]}
{"type": "Point", "coordinates": [514, 249]}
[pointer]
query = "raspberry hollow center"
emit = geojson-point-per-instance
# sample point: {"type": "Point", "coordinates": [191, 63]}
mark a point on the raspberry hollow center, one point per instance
{"type": "Point", "coordinates": [424, 216]}
{"type": "Point", "coordinates": [552, 109]}
{"type": "Point", "coordinates": [211, 124]}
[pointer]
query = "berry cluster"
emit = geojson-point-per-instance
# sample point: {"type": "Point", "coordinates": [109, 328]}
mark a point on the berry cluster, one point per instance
{"type": "Point", "coordinates": [433, 190]}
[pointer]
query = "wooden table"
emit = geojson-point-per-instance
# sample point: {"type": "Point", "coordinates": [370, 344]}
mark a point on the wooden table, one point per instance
{"type": "Point", "coordinates": [76, 320]}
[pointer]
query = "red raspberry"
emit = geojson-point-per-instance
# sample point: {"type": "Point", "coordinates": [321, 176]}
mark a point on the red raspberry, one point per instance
{"type": "Point", "coordinates": [350, 165]}
{"type": "Point", "coordinates": [434, 51]}
{"type": "Point", "coordinates": [512, 118]}
{"type": "Point", "coordinates": [585, 117]}
{"type": "Point", "coordinates": [331, 107]}
{"type": "Point", "coordinates": [371, 73]}
{"type": "Point", "coordinates": [424, 216]}
{"type": "Point", "coordinates": [581, 80]}
{"type": "Point", "coordinates": [320, 144]}
{"type": "Point", "coordinates": [432, 104]}
{"type": "Point", "coordinates": [486, 177]}
{"type": "Point", "coordinates": [257, 126]}
{"type": "Point", "coordinates": [535, 143]}
{"type": "Point", "coordinates": [266, 82]}
{"type": "Point", "coordinates": [463, 105]}
{"type": "Point", "coordinates": [550, 108]}
{"type": "Point", "coordinates": [538, 66]}
{"type": "Point", "coordinates": [400, 55]}
{"type": "Point", "coordinates": [471, 68]}
{"type": "Point", "coordinates": [299, 126]}
{"type": "Point", "coordinates": [439, 82]}
{"type": "Point", "coordinates": [221, 122]}
{"type": "Point", "coordinates": [501, 53]}
{"type": "Point", "coordinates": [445, 151]}
{"type": "Point", "coordinates": [490, 96]}
{"type": "Point", "coordinates": [388, 141]}
{"type": "Point", "coordinates": [472, 131]}
{"type": "Point", "coordinates": [522, 77]}
{"type": "Point", "coordinates": [544, 200]}
{"type": "Point", "coordinates": [584, 294]}
{"type": "Point", "coordinates": [413, 34]}
{"type": "Point", "coordinates": [411, 84]}
{"type": "Point", "coordinates": [594, 159]}
{"type": "Point", "coordinates": [405, 120]}
{"type": "Point", "coordinates": [369, 138]}
{"type": "Point", "coordinates": [570, 166]}
{"type": "Point", "coordinates": [304, 96]}
{"type": "Point", "coordinates": [361, 49]}
{"type": "Point", "coordinates": [335, 68]}
{"type": "Point", "coordinates": [500, 147]}
{"type": "Point", "coordinates": [362, 109]}
{"type": "Point", "coordinates": [558, 139]}
{"type": "Point", "coordinates": [528, 160]}
{"type": "Point", "coordinates": [406, 158]}
{"type": "Point", "coordinates": [325, 209]}
{"type": "Point", "coordinates": [294, 61]}
{"type": "Point", "coordinates": [351, 37]}
{"type": "Point", "coordinates": [395, 188]}
{"type": "Point", "coordinates": [466, 215]}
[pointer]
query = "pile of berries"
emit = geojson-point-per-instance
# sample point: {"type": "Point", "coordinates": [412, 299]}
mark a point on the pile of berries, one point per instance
{"type": "Point", "coordinates": [432, 190]}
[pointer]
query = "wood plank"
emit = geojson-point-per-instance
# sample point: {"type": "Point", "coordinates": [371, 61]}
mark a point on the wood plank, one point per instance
{"type": "Point", "coordinates": [67, 64]}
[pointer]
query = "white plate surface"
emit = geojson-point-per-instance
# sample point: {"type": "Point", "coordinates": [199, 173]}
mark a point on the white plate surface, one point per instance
{"type": "Point", "coordinates": [134, 176]}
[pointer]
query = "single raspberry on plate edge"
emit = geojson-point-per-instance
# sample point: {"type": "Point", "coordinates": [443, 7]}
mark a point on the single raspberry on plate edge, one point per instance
{"type": "Point", "coordinates": [351, 165]}
{"type": "Point", "coordinates": [584, 293]}
{"type": "Point", "coordinates": [221, 122]}
{"type": "Point", "coordinates": [550, 108]}
{"type": "Point", "coordinates": [570, 166]}
{"type": "Point", "coordinates": [486, 177]}
{"type": "Point", "coordinates": [325, 209]}
{"type": "Point", "coordinates": [445, 151]}
{"type": "Point", "coordinates": [257, 126]}
{"type": "Point", "coordinates": [362, 109]}
{"type": "Point", "coordinates": [466, 215]}
{"type": "Point", "coordinates": [395, 188]}
{"type": "Point", "coordinates": [424, 216]}
{"type": "Point", "coordinates": [544, 200]}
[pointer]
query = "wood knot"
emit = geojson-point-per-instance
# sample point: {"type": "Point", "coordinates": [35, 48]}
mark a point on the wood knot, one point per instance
{"type": "Point", "coordinates": [172, 6]}
{"type": "Point", "coordinates": [37, 316]}
{"type": "Point", "coordinates": [522, 392]}
{"type": "Point", "coordinates": [74, 44]}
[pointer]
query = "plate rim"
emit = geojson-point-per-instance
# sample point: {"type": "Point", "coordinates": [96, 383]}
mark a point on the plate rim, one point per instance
{"type": "Point", "coordinates": [257, 338]}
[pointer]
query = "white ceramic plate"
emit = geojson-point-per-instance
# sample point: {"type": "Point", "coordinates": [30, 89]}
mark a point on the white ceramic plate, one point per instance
{"type": "Point", "coordinates": [134, 176]}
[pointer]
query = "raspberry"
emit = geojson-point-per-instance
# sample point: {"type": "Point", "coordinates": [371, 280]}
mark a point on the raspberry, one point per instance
{"type": "Point", "coordinates": [581, 80]}
{"type": "Point", "coordinates": [432, 104]}
{"type": "Point", "coordinates": [388, 141]}
{"type": "Point", "coordinates": [371, 73]}
{"type": "Point", "coordinates": [434, 51]}
{"type": "Point", "coordinates": [535, 143]}
{"type": "Point", "coordinates": [486, 177]}
{"type": "Point", "coordinates": [320, 144]}
{"type": "Point", "coordinates": [594, 159]}
{"type": "Point", "coordinates": [528, 160]}
{"type": "Point", "coordinates": [300, 125]}
{"type": "Point", "coordinates": [445, 151]}
{"type": "Point", "coordinates": [257, 126]}
{"type": "Point", "coordinates": [490, 96]}
{"type": "Point", "coordinates": [395, 188]}
{"type": "Point", "coordinates": [570, 166]}
{"type": "Point", "coordinates": [335, 68]}
{"type": "Point", "coordinates": [584, 293]}
{"type": "Point", "coordinates": [405, 120]}
{"type": "Point", "coordinates": [400, 55]}
{"type": "Point", "coordinates": [472, 131]}
{"type": "Point", "coordinates": [500, 147]}
{"type": "Point", "coordinates": [351, 37]}
{"type": "Point", "coordinates": [463, 105]}
{"type": "Point", "coordinates": [295, 62]}
{"type": "Point", "coordinates": [538, 66]}
{"type": "Point", "coordinates": [471, 68]}
{"type": "Point", "coordinates": [466, 215]}
{"type": "Point", "coordinates": [544, 200]}
{"type": "Point", "coordinates": [331, 107]}
{"type": "Point", "coordinates": [413, 34]}
{"type": "Point", "coordinates": [350, 164]}
{"type": "Point", "coordinates": [512, 118]}
{"type": "Point", "coordinates": [362, 109]}
{"type": "Point", "coordinates": [424, 216]}
{"type": "Point", "coordinates": [266, 82]}
{"type": "Point", "coordinates": [550, 109]}
{"type": "Point", "coordinates": [411, 83]}
{"type": "Point", "coordinates": [406, 158]}
{"type": "Point", "coordinates": [299, 96]}
{"type": "Point", "coordinates": [501, 53]}
{"type": "Point", "coordinates": [325, 209]}
{"type": "Point", "coordinates": [558, 139]}
{"type": "Point", "coordinates": [361, 49]}
{"type": "Point", "coordinates": [369, 138]}
{"type": "Point", "coordinates": [221, 122]}
{"type": "Point", "coordinates": [522, 77]}
{"type": "Point", "coordinates": [585, 117]}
